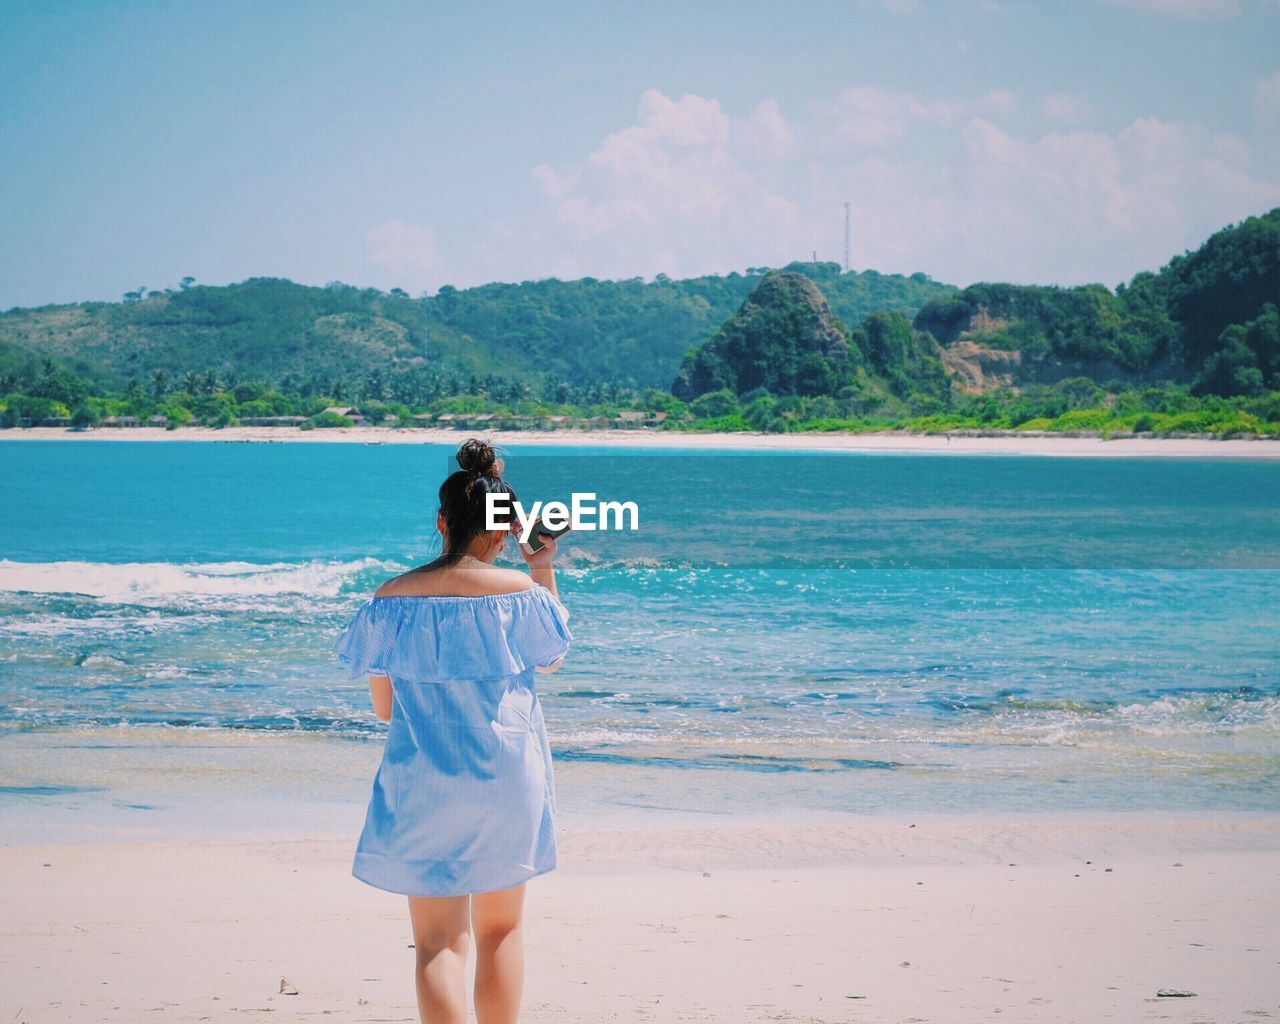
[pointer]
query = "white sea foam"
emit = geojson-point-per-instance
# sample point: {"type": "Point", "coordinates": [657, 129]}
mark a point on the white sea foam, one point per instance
{"type": "Point", "coordinates": [99, 660]}
{"type": "Point", "coordinates": [98, 626]}
{"type": "Point", "coordinates": [163, 583]}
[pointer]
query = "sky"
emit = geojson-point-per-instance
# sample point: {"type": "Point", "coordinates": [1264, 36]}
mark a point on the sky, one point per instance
{"type": "Point", "coordinates": [415, 145]}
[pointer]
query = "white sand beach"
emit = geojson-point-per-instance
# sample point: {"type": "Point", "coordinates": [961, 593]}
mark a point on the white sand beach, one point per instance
{"type": "Point", "coordinates": [957, 921]}
{"type": "Point", "coordinates": [889, 441]}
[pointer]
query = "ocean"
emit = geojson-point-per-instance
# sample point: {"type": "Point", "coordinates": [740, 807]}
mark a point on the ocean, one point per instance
{"type": "Point", "coordinates": [786, 636]}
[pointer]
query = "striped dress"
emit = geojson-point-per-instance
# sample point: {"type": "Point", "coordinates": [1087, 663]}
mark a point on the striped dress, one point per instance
{"type": "Point", "coordinates": [464, 799]}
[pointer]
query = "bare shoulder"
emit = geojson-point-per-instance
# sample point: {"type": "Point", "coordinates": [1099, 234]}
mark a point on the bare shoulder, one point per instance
{"type": "Point", "coordinates": [473, 581]}
{"type": "Point", "coordinates": [393, 586]}
{"type": "Point", "coordinates": [508, 581]}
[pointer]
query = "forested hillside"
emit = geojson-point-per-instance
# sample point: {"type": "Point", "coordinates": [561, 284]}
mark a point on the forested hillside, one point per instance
{"type": "Point", "coordinates": [1194, 347]}
{"type": "Point", "coordinates": [1208, 319]}
{"type": "Point", "coordinates": [625, 333]}
{"type": "Point", "coordinates": [786, 342]}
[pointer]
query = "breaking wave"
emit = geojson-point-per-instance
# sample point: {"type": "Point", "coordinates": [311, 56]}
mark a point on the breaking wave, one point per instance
{"type": "Point", "coordinates": [165, 583]}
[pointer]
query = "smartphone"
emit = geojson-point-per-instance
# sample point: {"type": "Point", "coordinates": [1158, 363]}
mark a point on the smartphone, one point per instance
{"type": "Point", "coordinates": [535, 544]}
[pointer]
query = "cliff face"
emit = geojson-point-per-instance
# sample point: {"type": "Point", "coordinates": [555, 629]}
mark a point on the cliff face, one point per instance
{"type": "Point", "coordinates": [976, 369]}
{"type": "Point", "coordinates": [1208, 318]}
{"type": "Point", "coordinates": [983, 351]}
{"type": "Point", "coordinates": [783, 339]}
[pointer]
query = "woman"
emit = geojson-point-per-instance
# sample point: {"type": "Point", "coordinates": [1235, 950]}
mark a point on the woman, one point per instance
{"type": "Point", "coordinates": [463, 806]}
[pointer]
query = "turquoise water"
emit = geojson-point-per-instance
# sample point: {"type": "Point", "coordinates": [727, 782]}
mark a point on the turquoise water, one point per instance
{"type": "Point", "coordinates": [820, 634]}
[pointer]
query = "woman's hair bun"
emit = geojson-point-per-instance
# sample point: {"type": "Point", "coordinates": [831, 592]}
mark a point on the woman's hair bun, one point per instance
{"type": "Point", "coordinates": [479, 458]}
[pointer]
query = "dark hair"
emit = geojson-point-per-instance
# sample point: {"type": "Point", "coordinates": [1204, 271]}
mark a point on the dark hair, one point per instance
{"type": "Point", "coordinates": [463, 499]}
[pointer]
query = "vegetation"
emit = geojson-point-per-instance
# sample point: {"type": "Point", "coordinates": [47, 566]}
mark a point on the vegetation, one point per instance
{"type": "Point", "coordinates": [332, 340]}
{"type": "Point", "coordinates": [1193, 349]}
{"type": "Point", "coordinates": [632, 332]}
{"type": "Point", "coordinates": [1208, 319]}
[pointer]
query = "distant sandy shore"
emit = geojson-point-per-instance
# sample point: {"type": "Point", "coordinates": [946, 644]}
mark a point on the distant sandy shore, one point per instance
{"type": "Point", "coordinates": [960, 444]}
{"type": "Point", "coordinates": [969, 921]}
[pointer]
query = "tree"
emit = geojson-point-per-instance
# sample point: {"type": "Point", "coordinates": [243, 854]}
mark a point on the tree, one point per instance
{"type": "Point", "coordinates": [374, 386]}
{"type": "Point", "coordinates": [1263, 338]}
{"type": "Point", "coordinates": [1080, 392]}
{"type": "Point", "coordinates": [60, 385]}
{"type": "Point", "coordinates": [715, 404]}
{"type": "Point", "coordinates": [84, 417]}
{"type": "Point", "coordinates": [330, 419]}
{"type": "Point", "coordinates": [1232, 370]}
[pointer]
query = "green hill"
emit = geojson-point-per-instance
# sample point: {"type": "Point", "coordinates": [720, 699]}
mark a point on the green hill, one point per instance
{"type": "Point", "coordinates": [583, 332]}
{"type": "Point", "coordinates": [264, 329]}
{"type": "Point", "coordinates": [1207, 319]}
{"type": "Point", "coordinates": [1193, 348]}
{"type": "Point", "coordinates": [785, 342]}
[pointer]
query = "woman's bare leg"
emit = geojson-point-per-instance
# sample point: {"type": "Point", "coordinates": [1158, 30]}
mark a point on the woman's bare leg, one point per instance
{"type": "Point", "coordinates": [441, 939]}
{"type": "Point", "coordinates": [496, 919]}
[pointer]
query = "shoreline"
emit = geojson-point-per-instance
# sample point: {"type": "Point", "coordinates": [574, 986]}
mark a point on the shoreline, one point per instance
{"type": "Point", "coordinates": [647, 440]}
{"type": "Point", "coordinates": [943, 922]}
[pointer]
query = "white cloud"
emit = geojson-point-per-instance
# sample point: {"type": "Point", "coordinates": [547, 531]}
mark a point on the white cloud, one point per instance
{"type": "Point", "coordinates": [765, 132]}
{"type": "Point", "coordinates": [873, 117]}
{"type": "Point", "coordinates": [675, 158]}
{"type": "Point", "coordinates": [944, 186]}
{"type": "Point", "coordinates": [408, 251]}
{"type": "Point", "coordinates": [1065, 107]}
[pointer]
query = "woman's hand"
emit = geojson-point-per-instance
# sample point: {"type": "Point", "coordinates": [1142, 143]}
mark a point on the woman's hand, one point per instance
{"type": "Point", "coordinates": [540, 561]}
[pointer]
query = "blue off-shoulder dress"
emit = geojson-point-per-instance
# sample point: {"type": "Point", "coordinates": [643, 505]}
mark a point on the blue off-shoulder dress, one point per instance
{"type": "Point", "coordinates": [464, 799]}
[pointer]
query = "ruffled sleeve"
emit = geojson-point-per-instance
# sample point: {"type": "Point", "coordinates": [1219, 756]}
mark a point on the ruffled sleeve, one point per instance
{"type": "Point", "coordinates": [368, 638]}
{"type": "Point", "coordinates": [545, 636]}
{"type": "Point", "coordinates": [441, 638]}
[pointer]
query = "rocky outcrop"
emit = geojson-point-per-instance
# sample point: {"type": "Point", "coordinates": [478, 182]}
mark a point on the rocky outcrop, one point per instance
{"type": "Point", "coordinates": [976, 369]}
{"type": "Point", "coordinates": [783, 339]}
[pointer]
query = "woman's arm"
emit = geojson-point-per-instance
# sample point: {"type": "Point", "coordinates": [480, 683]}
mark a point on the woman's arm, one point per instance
{"type": "Point", "coordinates": [380, 692]}
{"type": "Point", "coordinates": [542, 570]}
{"type": "Point", "coordinates": [540, 562]}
